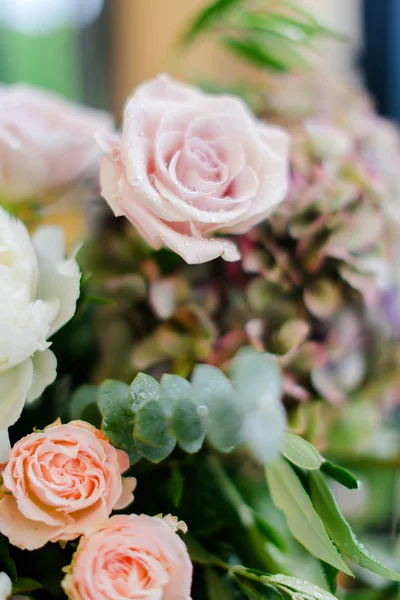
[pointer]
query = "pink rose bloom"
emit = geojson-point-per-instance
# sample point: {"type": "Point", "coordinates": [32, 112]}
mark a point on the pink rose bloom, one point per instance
{"type": "Point", "coordinates": [189, 164]}
{"type": "Point", "coordinates": [60, 484]}
{"type": "Point", "coordinates": [46, 142]}
{"type": "Point", "coordinates": [134, 557]}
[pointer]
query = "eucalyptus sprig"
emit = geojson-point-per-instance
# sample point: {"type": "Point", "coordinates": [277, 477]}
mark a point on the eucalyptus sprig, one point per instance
{"type": "Point", "coordinates": [149, 419]}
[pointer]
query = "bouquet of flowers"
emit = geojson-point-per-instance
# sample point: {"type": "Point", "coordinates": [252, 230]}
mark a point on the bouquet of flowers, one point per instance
{"type": "Point", "coordinates": [212, 352]}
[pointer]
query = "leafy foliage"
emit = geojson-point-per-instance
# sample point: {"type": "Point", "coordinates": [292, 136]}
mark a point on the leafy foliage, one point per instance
{"type": "Point", "coordinates": [314, 518]}
{"type": "Point", "coordinates": [149, 419]}
{"type": "Point", "coordinates": [207, 18]}
{"type": "Point", "coordinates": [340, 531]}
{"type": "Point", "coordinates": [271, 36]}
{"type": "Point", "coordinates": [304, 523]}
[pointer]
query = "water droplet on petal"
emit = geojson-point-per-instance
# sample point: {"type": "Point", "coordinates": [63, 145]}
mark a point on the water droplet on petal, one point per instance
{"type": "Point", "coordinates": [203, 411]}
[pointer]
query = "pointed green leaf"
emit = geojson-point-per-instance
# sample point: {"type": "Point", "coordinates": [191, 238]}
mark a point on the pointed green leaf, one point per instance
{"type": "Point", "coordinates": [303, 588]}
{"type": "Point", "coordinates": [175, 486]}
{"type": "Point", "coordinates": [253, 52]}
{"type": "Point", "coordinates": [289, 495]}
{"type": "Point", "coordinates": [340, 531]}
{"type": "Point", "coordinates": [207, 18]}
{"type": "Point", "coordinates": [5, 559]}
{"type": "Point", "coordinates": [257, 377]}
{"type": "Point", "coordinates": [24, 585]}
{"type": "Point", "coordinates": [340, 474]}
{"type": "Point", "coordinates": [300, 452]}
{"type": "Point", "coordinates": [269, 531]}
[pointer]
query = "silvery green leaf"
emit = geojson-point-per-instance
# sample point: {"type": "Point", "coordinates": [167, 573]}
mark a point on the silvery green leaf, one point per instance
{"type": "Point", "coordinates": [262, 431]}
{"type": "Point", "coordinates": [257, 381]}
{"type": "Point", "coordinates": [151, 432]}
{"type": "Point", "coordinates": [187, 424]}
{"type": "Point", "coordinates": [256, 377]}
{"type": "Point", "coordinates": [216, 401]}
{"type": "Point", "coordinates": [118, 418]}
{"type": "Point", "coordinates": [111, 391]}
{"type": "Point", "coordinates": [142, 389]}
{"type": "Point", "coordinates": [83, 405]}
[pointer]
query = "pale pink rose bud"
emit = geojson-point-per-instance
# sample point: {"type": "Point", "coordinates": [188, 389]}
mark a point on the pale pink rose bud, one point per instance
{"type": "Point", "coordinates": [189, 164]}
{"type": "Point", "coordinates": [46, 142]}
{"type": "Point", "coordinates": [134, 557]}
{"type": "Point", "coordinates": [61, 483]}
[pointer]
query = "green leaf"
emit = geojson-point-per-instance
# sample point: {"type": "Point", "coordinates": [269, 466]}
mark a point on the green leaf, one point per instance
{"type": "Point", "coordinates": [289, 495]}
{"type": "Point", "coordinates": [187, 426]}
{"type": "Point", "coordinates": [300, 452]}
{"type": "Point", "coordinates": [330, 574]}
{"type": "Point", "coordinates": [276, 24]}
{"type": "Point", "coordinates": [340, 474]}
{"type": "Point", "coordinates": [269, 531]}
{"type": "Point", "coordinates": [262, 431]}
{"type": "Point", "coordinates": [5, 558]}
{"type": "Point", "coordinates": [118, 418]}
{"type": "Point", "coordinates": [257, 381]}
{"type": "Point", "coordinates": [291, 28]}
{"type": "Point", "coordinates": [186, 422]}
{"type": "Point", "coordinates": [200, 555]}
{"type": "Point", "coordinates": [340, 531]}
{"type": "Point", "coordinates": [152, 433]}
{"type": "Point", "coordinates": [83, 405]}
{"type": "Point", "coordinates": [216, 587]}
{"type": "Point", "coordinates": [253, 52]}
{"type": "Point", "coordinates": [303, 588]}
{"type": "Point", "coordinates": [208, 17]}
{"type": "Point", "coordinates": [175, 486]}
{"type": "Point", "coordinates": [214, 396]}
{"type": "Point", "coordinates": [99, 300]}
{"type": "Point", "coordinates": [250, 538]}
{"type": "Point", "coordinates": [256, 377]}
{"type": "Point", "coordinates": [142, 389]}
{"type": "Point", "coordinates": [24, 584]}
{"type": "Point", "coordinates": [111, 391]}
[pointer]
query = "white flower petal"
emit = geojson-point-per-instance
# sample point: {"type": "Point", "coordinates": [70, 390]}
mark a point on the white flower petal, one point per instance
{"type": "Point", "coordinates": [14, 385]}
{"type": "Point", "coordinates": [5, 586]}
{"type": "Point", "coordinates": [44, 373]}
{"type": "Point", "coordinates": [58, 277]}
{"type": "Point", "coordinates": [5, 448]}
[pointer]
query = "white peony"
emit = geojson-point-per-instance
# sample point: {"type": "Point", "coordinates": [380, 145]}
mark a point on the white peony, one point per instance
{"type": "Point", "coordinates": [5, 586]}
{"type": "Point", "coordinates": [39, 288]}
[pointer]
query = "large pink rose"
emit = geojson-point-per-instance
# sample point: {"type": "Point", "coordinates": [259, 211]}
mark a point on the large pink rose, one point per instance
{"type": "Point", "coordinates": [189, 164]}
{"type": "Point", "coordinates": [61, 483]}
{"type": "Point", "coordinates": [45, 142]}
{"type": "Point", "coordinates": [134, 557]}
